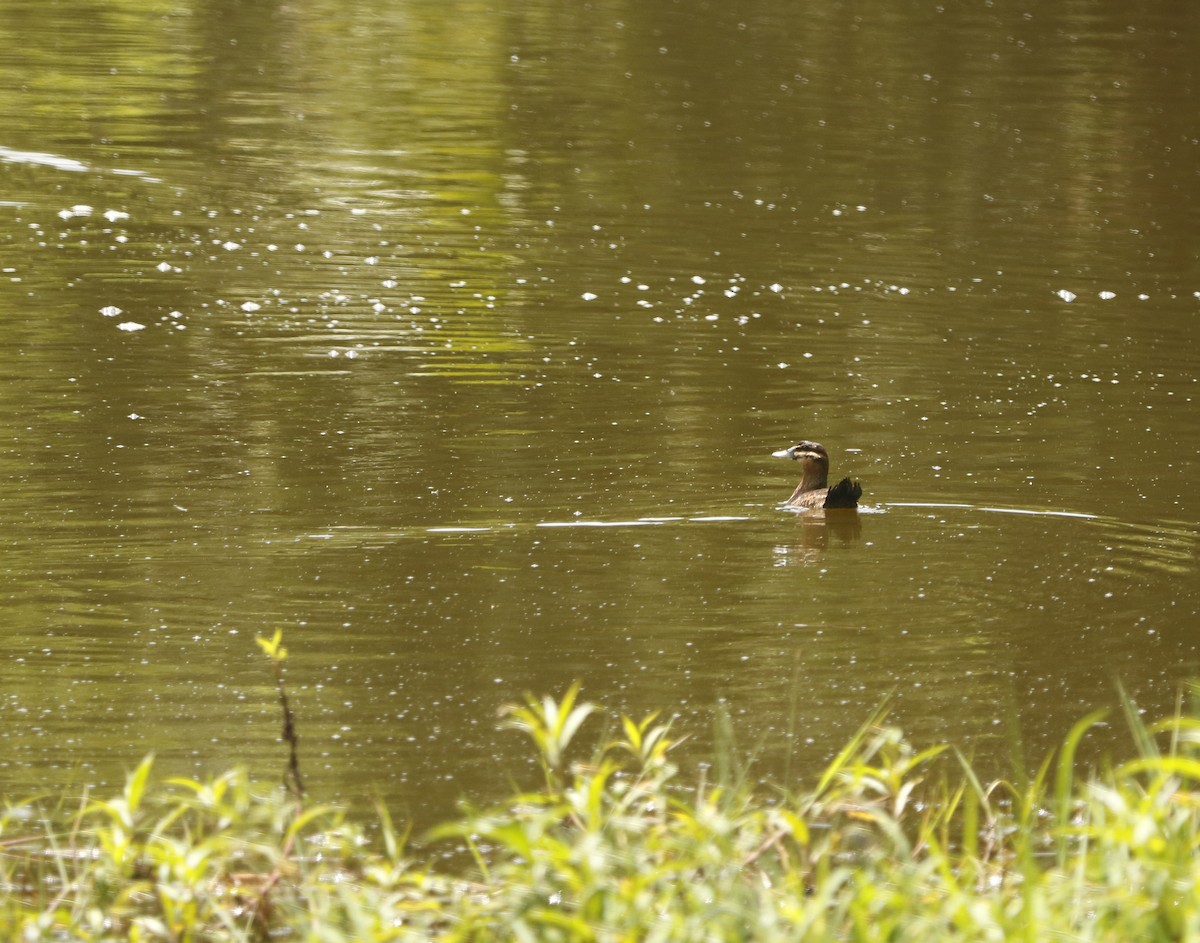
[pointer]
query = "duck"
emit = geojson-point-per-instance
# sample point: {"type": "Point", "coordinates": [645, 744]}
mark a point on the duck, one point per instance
{"type": "Point", "coordinates": [813, 490]}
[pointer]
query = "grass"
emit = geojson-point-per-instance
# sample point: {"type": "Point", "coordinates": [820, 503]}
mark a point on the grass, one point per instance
{"type": "Point", "coordinates": [889, 842]}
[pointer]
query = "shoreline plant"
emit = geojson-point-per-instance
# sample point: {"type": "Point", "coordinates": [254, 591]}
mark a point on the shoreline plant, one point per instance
{"type": "Point", "coordinates": [888, 842]}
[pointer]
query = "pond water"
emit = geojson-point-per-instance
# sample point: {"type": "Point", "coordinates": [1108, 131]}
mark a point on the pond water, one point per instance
{"type": "Point", "coordinates": [454, 339]}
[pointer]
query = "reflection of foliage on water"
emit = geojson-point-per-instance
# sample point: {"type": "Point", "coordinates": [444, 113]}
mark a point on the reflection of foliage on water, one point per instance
{"type": "Point", "coordinates": [415, 265]}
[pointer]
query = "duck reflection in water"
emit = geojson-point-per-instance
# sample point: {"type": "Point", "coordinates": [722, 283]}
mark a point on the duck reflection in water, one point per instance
{"type": "Point", "coordinates": [813, 490]}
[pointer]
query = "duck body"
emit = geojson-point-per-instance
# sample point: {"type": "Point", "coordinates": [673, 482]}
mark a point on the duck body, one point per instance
{"type": "Point", "coordinates": [814, 490]}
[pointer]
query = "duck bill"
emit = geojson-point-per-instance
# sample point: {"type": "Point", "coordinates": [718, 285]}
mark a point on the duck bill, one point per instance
{"type": "Point", "coordinates": [784, 453]}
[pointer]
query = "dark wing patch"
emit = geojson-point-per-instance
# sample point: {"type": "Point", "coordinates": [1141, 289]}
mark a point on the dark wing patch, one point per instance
{"type": "Point", "coordinates": [844, 494]}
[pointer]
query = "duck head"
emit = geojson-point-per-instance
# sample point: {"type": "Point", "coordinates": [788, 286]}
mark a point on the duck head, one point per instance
{"type": "Point", "coordinates": [812, 458]}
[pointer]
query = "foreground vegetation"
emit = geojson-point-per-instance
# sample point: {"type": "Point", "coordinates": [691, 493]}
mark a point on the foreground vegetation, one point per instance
{"type": "Point", "coordinates": [887, 843]}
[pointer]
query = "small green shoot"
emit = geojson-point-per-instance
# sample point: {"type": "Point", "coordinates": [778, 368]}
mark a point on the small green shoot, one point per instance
{"type": "Point", "coordinates": [273, 648]}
